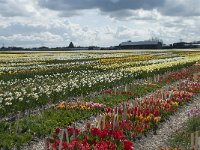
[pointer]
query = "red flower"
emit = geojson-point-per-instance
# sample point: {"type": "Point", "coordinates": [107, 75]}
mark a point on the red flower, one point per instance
{"type": "Point", "coordinates": [57, 131]}
{"type": "Point", "coordinates": [83, 146]}
{"type": "Point", "coordinates": [155, 112]}
{"type": "Point", "coordinates": [108, 110]}
{"type": "Point", "coordinates": [56, 142]}
{"type": "Point", "coordinates": [127, 127]}
{"type": "Point", "coordinates": [102, 145]}
{"type": "Point", "coordinates": [64, 145]}
{"type": "Point", "coordinates": [102, 134]}
{"type": "Point", "coordinates": [133, 135]}
{"type": "Point", "coordinates": [95, 131]}
{"type": "Point", "coordinates": [140, 129]}
{"type": "Point", "coordinates": [108, 125]}
{"type": "Point", "coordinates": [128, 145]}
{"type": "Point", "coordinates": [111, 146]}
{"type": "Point", "coordinates": [53, 147]}
{"type": "Point", "coordinates": [110, 132]}
{"type": "Point", "coordinates": [71, 130]}
{"type": "Point", "coordinates": [146, 112]}
{"type": "Point", "coordinates": [118, 135]}
{"type": "Point", "coordinates": [70, 146]}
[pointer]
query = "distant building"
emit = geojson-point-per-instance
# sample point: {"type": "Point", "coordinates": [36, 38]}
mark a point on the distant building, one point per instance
{"type": "Point", "coordinates": [180, 45]}
{"type": "Point", "coordinates": [93, 48]}
{"type": "Point", "coordinates": [83, 48]}
{"type": "Point", "coordinates": [71, 45]}
{"type": "Point", "coordinates": [141, 45]}
{"type": "Point", "coordinates": [165, 46]}
{"type": "Point", "coordinates": [186, 45]}
{"type": "Point", "coordinates": [196, 45]}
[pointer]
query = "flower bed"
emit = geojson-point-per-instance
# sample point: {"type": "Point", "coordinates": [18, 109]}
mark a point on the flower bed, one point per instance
{"type": "Point", "coordinates": [80, 105]}
{"type": "Point", "coordinates": [28, 90]}
{"type": "Point", "coordinates": [39, 125]}
{"type": "Point", "coordinates": [29, 87]}
{"type": "Point", "coordinates": [123, 124]}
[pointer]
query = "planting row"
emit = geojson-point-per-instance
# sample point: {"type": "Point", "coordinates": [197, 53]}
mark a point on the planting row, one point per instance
{"type": "Point", "coordinates": [21, 94]}
{"type": "Point", "coordinates": [117, 128]}
{"type": "Point", "coordinates": [20, 131]}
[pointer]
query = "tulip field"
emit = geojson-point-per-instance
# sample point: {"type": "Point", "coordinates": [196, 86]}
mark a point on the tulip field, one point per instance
{"type": "Point", "coordinates": [92, 100]}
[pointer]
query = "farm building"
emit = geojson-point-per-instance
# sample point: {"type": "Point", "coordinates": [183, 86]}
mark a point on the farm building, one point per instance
{"type": "Point", "coordinates": [141, 45]}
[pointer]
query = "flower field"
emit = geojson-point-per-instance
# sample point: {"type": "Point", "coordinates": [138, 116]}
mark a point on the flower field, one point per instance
{"type": "Point", "coordinates": [118, 127]}
{"type": "Point", "coordinates": [44, 95]}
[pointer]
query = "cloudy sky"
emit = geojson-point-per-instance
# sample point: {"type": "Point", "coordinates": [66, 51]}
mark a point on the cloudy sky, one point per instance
{"type": "Point", "coordinates": [33, 23]}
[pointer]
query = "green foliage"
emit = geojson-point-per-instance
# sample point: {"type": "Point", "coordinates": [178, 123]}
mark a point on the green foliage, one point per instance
{"type": "Point", "coordinates": [40, 125]}
{"type": "Point", "coordinates": [182, 137]}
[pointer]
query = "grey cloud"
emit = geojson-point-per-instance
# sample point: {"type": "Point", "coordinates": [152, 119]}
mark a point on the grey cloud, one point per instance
{"type": "Point", "coordinates": [107, 6]}
{"type": "Point", "coordinates": [9, 9]}
{"type": "Point", "coordinates": [13, 8]}
{"type": "Point", "coordinates": [181, 8]}
{"type": "Point", "coordinates": [114, 8]}
{"type": "Point", "coordinates": [18, 28]}
{"type": "Point", "coordinates": [121, 8]}
{"type": "Point", "coordinates": [120, 14]}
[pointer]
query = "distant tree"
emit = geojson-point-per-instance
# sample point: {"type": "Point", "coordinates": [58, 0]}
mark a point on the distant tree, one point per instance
{"type": "Point", "coordinates": [71, 45]}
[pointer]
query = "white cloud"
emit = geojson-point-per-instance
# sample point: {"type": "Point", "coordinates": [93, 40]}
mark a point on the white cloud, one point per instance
{"type": "Point", "coordinates": [36, 39]}
{"type": "Point", "coordinates": [28, 23]}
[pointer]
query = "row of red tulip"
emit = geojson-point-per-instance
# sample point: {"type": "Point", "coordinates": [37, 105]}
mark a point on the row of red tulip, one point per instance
{"type": "Point", "coordinates": [118, 127]}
